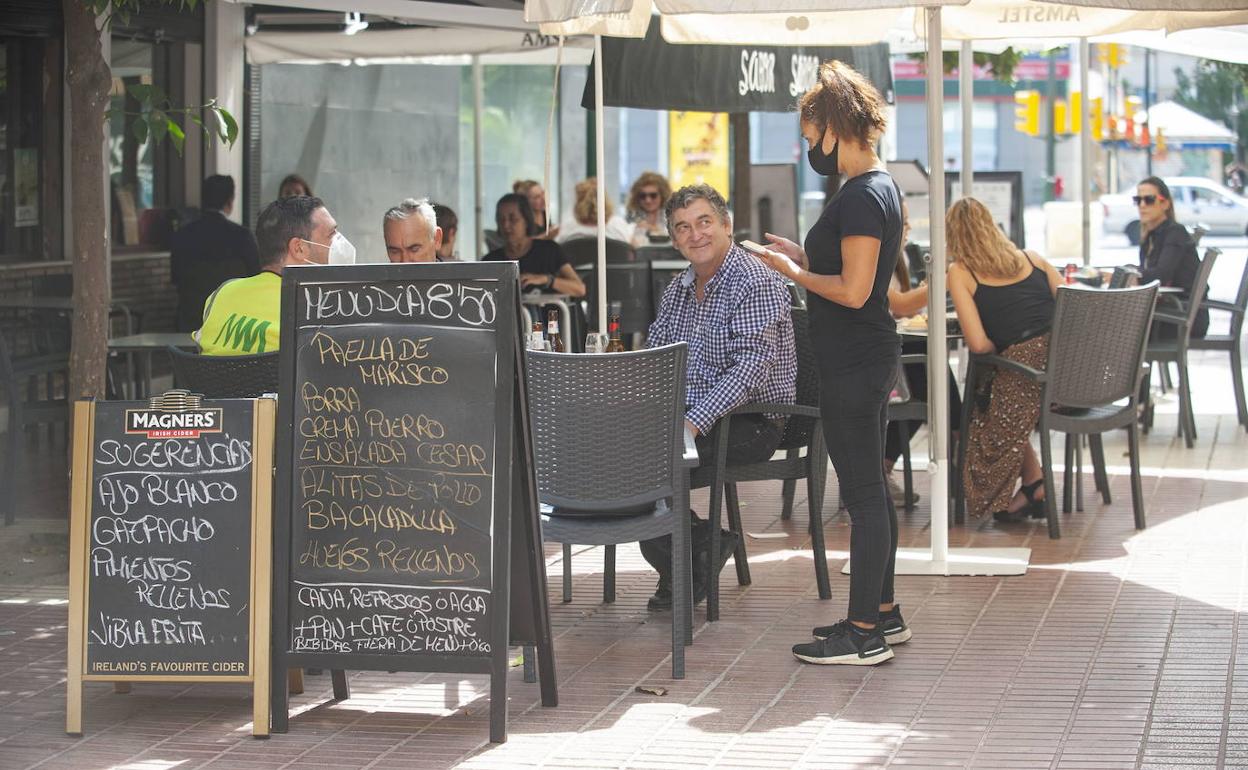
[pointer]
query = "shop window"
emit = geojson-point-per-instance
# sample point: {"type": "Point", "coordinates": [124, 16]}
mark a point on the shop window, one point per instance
{"type": "Point", "coordinates": [149, 181]}
{"type": "Point", "coordinates": [29, 127]}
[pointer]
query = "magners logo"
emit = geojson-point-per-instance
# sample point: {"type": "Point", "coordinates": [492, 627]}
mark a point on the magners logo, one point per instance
{"type": "Point", "coordinates": [157, 424]}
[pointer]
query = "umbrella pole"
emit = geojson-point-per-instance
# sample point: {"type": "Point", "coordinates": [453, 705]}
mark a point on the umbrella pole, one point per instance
{"type": "Point", "coordinates": [478, 181]}
{"type": "Point", "coordinates": [1085, 151]}
{"type": "Point", "coordinates": [601, 165]}
{"type": "Point", "coordinates": [940, 559]}
{"type": "Point", "coordinates": [937, 352]}
{"type": "Point", "coordinates": [966, 93]}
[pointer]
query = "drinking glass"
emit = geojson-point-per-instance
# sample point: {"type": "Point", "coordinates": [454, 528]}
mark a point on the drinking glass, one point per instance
{"type": "Point", "coordinates": [596, 342]}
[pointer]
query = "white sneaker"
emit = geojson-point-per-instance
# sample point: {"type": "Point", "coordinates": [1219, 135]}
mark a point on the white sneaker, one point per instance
{"type": "Point", "coordinates": [897, 492]}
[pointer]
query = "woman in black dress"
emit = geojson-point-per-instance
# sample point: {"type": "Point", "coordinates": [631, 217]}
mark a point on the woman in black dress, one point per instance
{"type": "Point", "coordinates": [543, 265]}
{"type": "Point", "coordinates": [845, 267]}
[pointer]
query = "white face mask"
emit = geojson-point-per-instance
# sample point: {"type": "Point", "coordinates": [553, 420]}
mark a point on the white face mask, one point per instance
{"type": "Point", "coordinates": [341, 251]}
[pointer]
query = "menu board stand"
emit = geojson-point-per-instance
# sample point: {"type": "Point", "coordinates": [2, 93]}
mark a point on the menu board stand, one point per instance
{"type": "Point", "coordinates": [170, 537]}
{"type": "Point", "coordinates": [407, 535]}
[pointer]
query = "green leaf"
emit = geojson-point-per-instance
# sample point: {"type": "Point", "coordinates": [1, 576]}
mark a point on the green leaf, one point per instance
{"type": "Point", "coordinates": [175, 133]}
{"type": "Point", "coordinates": [140, 92]}
{"type": "Point", "coordinates": [223, 129]}
{"type": "Point", "coordinates": [231, 133]}
{"type": "Point", "coordinates": [160, 126]}
{"type": "Point", "coordinates": [139, 129]}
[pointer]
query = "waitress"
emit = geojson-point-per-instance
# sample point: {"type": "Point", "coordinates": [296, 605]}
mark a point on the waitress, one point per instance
{"type": "Point", "coordinates": [846, 265]}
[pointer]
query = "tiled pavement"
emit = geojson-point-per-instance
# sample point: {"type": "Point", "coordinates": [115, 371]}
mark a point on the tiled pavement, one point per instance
{"type": "Point", "coordinates": [1117, 649]}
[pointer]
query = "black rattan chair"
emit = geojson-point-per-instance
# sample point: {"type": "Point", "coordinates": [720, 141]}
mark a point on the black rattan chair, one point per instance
{"type": "Point", "coordinates": [584, 251]}
{"type": "Point", "coordinates": [803, 431]}
{"type": "Point", "coordinates": [904, 408]}
{"type": "Point", "coordinates": [1163, 352]}
{"type": "Point", "coordinates": [612, 461]}
{"type": "Point", "coordinates": [1232, 341]}
{"type": "Point", "coordinates": [225, 376]}
{"type": "Point", "coordinates": [1091, 382]}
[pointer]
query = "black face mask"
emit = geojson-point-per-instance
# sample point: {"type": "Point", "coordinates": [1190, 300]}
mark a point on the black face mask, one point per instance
{"type": "Point", "coordinates": [822, 164]}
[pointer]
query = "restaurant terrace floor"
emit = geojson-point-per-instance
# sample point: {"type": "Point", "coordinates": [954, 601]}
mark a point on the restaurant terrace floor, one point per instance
{"type": "Point", "coordinates": [1118, 648]}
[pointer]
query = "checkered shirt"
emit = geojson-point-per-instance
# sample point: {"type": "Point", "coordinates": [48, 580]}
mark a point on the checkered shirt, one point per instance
{"type": "Point", "coordinates": [740, 338]}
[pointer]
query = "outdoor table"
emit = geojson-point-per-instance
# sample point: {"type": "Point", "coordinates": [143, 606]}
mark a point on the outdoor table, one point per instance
{"type": "Point", "coordinates": [142, 346]}
{"type": "Point", "coordinates": [61, 305]}
{"type": "Point", "coordinates": [536, 299]}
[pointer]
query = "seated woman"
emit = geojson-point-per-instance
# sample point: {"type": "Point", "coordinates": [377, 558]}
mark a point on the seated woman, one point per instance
{"type": "Point", "coordinates": [1167, 253]}
{"type": "Point", "coordinates": [904, 302]}
{"type": "Point", "coordinates": [543, 265]}
{"type": "Point", "coordinates": [1004, 298]}
{"type": "Point", "coordinates": [584, 222]}
{"type": "Point", "coordinates": [645, 208]}
{"type": "Point", "coordinates": [533, 190]}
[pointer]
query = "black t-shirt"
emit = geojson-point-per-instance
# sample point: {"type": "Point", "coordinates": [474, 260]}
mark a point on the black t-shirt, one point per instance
{"type": "Point", "coordinates": [865, 205]}
{"type": "Point", "coordinates": [544, 257]}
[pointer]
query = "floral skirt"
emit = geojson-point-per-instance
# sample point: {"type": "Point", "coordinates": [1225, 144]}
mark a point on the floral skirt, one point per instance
{"type": "Point", "coordinates": [1005, 409]}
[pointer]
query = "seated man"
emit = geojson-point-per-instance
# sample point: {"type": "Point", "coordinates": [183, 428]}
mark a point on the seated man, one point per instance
{"type": "Point", "coordinates": [735, 315]}
{"type": "Point", "coordinates": [243, 316]}
{"type": "Point", "coordinates": [411, 232]}
{"type": "Point", "coordinates": [449, 222]}
{"type": "Point", "coordinates": [209, 251]}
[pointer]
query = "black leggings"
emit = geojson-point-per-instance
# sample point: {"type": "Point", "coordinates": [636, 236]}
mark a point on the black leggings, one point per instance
{"type": "Point", "coordinates": [854, 405]}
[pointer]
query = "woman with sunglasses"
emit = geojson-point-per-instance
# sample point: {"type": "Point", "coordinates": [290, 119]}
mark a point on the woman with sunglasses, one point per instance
{"type": "Point", "coordinates": [645, 207]}
{"type": "Point", "coordinates": [1167, 253]}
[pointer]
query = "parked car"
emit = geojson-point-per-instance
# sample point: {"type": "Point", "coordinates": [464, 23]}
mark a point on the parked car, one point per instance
{"type": "Point", "coordinates": [1197, 201]}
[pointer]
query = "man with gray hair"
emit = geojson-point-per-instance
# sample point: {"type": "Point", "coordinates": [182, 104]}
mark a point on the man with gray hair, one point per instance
{"type": "Point", "coordinates": [735, 315]}
{"type": "Point", "coordinates": [411, 232]}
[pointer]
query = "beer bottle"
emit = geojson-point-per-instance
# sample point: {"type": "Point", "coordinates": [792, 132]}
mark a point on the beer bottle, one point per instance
{"type": "Point", "coordinates": [613, 329]}
{"type": "Point", "coordinates": [552, 331]}
{"type": "Point", "coordinates": [536, 340]}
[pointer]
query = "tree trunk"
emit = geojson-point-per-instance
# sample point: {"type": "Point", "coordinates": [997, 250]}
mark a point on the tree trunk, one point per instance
{"type": "Point", "coordinates": [89, 79]}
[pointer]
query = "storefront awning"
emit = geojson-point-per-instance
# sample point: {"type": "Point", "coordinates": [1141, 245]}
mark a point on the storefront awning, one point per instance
{"type": "Point", "coordinates": [653, 74]}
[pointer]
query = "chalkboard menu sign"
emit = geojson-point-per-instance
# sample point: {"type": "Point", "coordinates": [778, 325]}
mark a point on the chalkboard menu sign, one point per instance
{"type": "Point", "coordinates": [397, 457]}
{"type": "Point", "coordinates": [165, 532]}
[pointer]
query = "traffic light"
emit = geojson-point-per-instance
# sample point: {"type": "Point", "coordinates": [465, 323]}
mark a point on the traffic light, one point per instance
{"type": "Point", "coordinates": [1159, 145]}
{"type": "Point", "coordinates": [1076, 112]}
{"type": "Point", "coordinates": [1112, 54]}
{"type": "Point", "coordinates": [1027, 112]}
{"type": "Point", "coordinates": [1098, 118]}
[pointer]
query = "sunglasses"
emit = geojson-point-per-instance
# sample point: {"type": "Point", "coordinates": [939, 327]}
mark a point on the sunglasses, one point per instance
{"type": "Point", "coordinates": [646, 196]}
{"type": "Point", "coordinates": [1147, 199]}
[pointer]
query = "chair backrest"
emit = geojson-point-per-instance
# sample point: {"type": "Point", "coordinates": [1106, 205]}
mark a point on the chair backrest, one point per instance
{"type": "Point", "coordinates": [798, 429]}
{"type": "Point", "coordinates": [225, 376]}
{"type": "Point", "coordinates": [1241, 295]}
{"type": "Point", "coordinates": [583, 251]}
{"type": "Point", "coordinates": [657, 251]}
{"type": "Point", "coordinates": [1121, 276]}
{"type": "Point", "coordinates": [1198, 232]}
{"type": "Point", "coordinates": [1096, 346]}
{"type": "Point", "coordinates": [629, 285]}
{"type": "Point", "coordinates": [1200, 285]}
{"type": "Point", "coordinates": [608, 428]}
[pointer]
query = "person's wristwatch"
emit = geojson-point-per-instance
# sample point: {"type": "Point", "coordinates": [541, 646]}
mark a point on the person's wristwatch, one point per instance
{"type": "Point", "coordinates": [550, 282]}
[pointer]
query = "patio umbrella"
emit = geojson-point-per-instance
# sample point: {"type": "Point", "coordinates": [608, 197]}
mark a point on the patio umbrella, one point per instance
{"type": "Point", "coordinates": [806, 22]}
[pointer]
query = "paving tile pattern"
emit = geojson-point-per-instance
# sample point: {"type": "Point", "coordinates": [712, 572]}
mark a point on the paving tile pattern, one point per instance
{"type": "Point", "coordinates": [1117, 649]}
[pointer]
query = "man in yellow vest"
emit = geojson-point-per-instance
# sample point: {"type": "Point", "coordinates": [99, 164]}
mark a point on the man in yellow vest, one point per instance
{"type": "Point", "coordinates": [243, 316]}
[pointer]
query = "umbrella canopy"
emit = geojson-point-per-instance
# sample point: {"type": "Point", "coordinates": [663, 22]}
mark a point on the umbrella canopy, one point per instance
{"type": "Point", "coordinates": [410, 46]}
{"type": "Point", "coordinates": [1184, 129]}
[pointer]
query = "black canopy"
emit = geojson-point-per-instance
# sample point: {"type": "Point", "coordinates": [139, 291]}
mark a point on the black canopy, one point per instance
{"type": "Point", "coordinates": [653, 74]}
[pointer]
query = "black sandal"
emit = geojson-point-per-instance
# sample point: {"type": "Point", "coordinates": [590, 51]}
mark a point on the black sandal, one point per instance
{"type": "Point", "coordinates": [1035, 505]}
{"type": "Point", "coordinates": [1034, 508]}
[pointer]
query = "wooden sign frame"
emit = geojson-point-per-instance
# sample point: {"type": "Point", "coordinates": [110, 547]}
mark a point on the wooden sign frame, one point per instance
{"type": "Point", "coordinates": [516, 541]}
{"type": "Point", "coordinates": [82, 485]}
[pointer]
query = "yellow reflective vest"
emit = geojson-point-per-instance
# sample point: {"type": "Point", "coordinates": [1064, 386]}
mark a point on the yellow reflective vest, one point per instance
{"type": "Point", "coordinates": [242, 317]}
